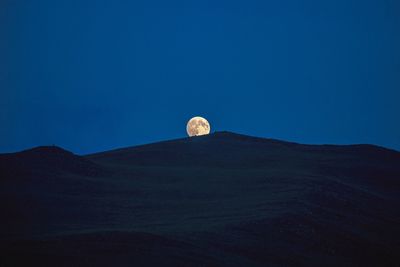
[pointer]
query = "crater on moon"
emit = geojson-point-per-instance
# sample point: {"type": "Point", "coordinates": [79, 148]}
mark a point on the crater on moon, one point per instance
{"type": "Point", "coordinates": [197, 126]}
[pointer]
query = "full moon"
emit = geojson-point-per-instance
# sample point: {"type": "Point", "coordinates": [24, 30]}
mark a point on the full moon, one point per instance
{"type": "Point", "coordinates": [197, 126]}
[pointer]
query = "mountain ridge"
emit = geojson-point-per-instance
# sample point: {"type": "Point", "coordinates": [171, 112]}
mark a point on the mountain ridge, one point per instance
{"type": "Point", "coordinates": [219, 134]}
{"type": "Point", "coordinates": [47, 158]}
{"type": "Point", "coordinates": [217, 200]}
{"type": "Point", "coordinates": [227, 135]}
{"type": "Point", "coordinates": [230, 149]}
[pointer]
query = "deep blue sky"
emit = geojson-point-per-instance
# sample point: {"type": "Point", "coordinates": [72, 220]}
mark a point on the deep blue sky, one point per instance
{"type": "Point", "coordinates": [96, 75]}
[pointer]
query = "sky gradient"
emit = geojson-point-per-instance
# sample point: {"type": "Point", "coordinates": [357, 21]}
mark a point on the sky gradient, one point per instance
{"type": "Point", "coordinates": [96, 75]}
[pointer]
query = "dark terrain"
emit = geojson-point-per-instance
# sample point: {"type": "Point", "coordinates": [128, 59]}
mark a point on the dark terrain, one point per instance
{"type": "Point", "coordinates": [218, 200]}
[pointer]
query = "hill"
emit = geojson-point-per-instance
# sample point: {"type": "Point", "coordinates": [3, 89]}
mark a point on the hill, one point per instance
{"type": "Point", "coordinates": [218, 200]}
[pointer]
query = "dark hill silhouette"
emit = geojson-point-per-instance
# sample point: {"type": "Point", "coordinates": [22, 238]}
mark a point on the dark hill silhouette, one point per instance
{"type": "Point", "coordinates": [45, 159]}
{"type": "Point", "coordinates": [231, 149]}
{"type": "Point", "coordinates": [223, 199]}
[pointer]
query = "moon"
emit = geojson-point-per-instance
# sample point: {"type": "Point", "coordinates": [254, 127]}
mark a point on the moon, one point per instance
{"type": "Point", "coordinates": [197, 126]}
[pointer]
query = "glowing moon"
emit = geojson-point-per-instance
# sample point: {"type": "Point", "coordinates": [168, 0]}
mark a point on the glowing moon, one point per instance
{"type": "Point", "coordinates": [197, 126]}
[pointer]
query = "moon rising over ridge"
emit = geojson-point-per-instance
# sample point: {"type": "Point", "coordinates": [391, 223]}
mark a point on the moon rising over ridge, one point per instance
{"type": "Point", "coordinates": [197, 126]}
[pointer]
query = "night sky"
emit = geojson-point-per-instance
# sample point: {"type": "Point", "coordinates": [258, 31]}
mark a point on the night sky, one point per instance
{"type": "Point", "coordinates": [96, 75]}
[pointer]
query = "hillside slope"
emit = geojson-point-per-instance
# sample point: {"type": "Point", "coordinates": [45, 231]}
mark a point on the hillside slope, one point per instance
{"type": "Point", "coordinates": [219, 200]}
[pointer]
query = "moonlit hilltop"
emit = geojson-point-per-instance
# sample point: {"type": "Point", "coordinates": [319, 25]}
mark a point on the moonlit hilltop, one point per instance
{"type": "Point", "coordinates": [221, 199]}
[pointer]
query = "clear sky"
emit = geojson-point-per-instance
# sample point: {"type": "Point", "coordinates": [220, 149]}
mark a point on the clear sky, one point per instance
{"type": "Point", "coordinates": [95, 75]}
